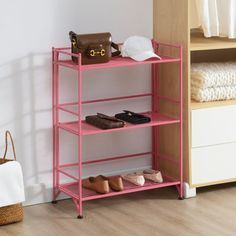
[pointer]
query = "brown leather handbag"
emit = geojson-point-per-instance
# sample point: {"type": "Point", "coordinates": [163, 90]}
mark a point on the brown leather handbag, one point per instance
{"type": "Point", "coordinates": [95, 48]}
{"type": "Point", "coordinates": [104, 122]}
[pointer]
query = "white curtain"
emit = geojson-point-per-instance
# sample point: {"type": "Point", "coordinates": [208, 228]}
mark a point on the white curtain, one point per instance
{"type": "Point", "coordinates": [217, 17]}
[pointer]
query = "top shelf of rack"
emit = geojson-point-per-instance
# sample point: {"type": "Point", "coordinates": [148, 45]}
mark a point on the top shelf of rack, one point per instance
{"type": "Point", "coordinates": [119, 61]}
{"type": "Point", "coordinates": [199, 43]}
{"type": "Point", "coordinates": [115, 62]}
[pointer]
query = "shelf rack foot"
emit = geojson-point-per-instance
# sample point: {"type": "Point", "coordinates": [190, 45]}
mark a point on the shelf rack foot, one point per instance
{"type": "Point", "coordinates": [55, 196]}
{"type": "Point", "coordinates": [78, 205]}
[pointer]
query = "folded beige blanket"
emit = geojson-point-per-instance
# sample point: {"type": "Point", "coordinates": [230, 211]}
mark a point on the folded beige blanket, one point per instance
{"type": "Point", "coordinates": [212, 75]}
{"type": "Point", "coordinates": [213, 94]}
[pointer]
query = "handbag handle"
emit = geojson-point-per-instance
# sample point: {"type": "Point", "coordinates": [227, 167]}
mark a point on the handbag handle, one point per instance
{"type": "Point", "coordinates": [115, 46]}
{"type": "Point", "coordinates": [8, 134]}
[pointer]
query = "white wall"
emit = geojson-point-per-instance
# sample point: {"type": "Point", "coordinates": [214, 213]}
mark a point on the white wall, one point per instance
{"type": "Point", "coordinates": [28, 29]}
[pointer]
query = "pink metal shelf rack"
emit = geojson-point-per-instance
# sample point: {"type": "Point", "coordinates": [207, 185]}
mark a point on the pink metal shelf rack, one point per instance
{"type": "Point", "coordinates": [80, 128]}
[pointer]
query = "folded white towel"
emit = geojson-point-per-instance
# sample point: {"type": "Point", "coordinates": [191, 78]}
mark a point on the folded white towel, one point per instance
{"type": "Point", "coordinates": [213, 94]}
{"type": "Point", "coordinates": [11, 184]}
{"type": "Point", "coordinates": [212, 75]}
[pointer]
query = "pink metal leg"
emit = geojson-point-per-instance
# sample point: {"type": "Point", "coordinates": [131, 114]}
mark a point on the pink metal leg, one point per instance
{"type": "Point", "coordinates": [55, 97]}
{"type": "Point", "coordinates": [57, 123]}
{"type": "Point", "coordinates": [157, 86]}
{"type": "Point", "coordinates": [153, 109]}
{"type": "Point", "coordinates": [53, 125]}
{"type": "Point", "coordinates": [181, 120]}
{"type": "Point", "coordinates": [156, 109]}
{"type": "Point", "coordinates": [80, 151]}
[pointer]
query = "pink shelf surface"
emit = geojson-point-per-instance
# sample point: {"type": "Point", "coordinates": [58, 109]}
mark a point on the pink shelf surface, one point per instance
{"type": "Point", "coordinates": [116, 62]}
{"type": "Point", "coordinates": [87, 129]}
{"type": "Point", "coordinates": [71, 189]}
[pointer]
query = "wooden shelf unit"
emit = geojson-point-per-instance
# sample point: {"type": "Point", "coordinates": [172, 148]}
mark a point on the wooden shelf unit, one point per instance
{"type": "Point", "coordinates": [199, 43]}
{"type": "Point", "coordinates": [172, 24]}
{"type": "Point", "coordinates": [200, 105]}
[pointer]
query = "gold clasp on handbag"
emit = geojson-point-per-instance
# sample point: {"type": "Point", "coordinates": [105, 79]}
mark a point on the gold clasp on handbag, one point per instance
{"type": "Point", "coordinates": [94, 53]}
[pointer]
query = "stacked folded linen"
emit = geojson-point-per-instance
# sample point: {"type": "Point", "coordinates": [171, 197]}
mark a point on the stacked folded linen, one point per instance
{"type": "Point", "coordinates": [213, 81]}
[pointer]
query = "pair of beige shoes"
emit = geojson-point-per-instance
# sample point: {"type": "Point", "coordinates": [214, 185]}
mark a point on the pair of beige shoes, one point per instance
{"type": "Point", "coordinates": [138, 178]}
{"type": "Point", "coordinates": [102, 184]}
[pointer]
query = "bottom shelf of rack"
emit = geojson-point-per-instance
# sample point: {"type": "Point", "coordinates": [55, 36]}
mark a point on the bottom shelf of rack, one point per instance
{"type": "Point", "coordinates": [72, 189]}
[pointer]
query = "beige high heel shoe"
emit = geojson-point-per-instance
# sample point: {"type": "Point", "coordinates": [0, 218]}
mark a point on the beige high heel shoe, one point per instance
{"type": "Point", "coordinates": [135, 178]}
{"type": "Point", "coordinates": [153, 175]}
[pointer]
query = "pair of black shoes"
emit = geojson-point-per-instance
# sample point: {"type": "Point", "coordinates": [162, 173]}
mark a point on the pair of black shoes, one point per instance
{"type": "Point", "coordinates": [103, 121]}
{"type": "Point", "coordinates": [132, 117]}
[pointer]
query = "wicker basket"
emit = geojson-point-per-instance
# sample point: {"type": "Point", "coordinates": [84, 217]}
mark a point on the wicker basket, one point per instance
{"type": "Point", "coordinates": [13, 213]}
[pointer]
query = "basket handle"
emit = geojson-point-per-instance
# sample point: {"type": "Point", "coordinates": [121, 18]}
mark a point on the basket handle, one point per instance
{"type": "Point", "coordinates": [8, 134]}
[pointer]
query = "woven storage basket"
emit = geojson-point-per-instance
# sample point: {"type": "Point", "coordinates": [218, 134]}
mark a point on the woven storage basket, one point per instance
{"type": "Point", "coordinates": [13, 213]}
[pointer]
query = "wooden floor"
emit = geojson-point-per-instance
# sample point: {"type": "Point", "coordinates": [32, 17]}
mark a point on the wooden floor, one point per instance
{"type": "Point", "coordinates": [156, 212]}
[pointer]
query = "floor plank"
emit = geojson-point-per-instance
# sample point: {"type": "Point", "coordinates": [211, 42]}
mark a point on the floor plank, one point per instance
{"type": "Point", "coordinates": [151, 213]}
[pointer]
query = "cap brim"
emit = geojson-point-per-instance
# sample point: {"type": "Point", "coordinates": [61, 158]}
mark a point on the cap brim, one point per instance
{"type": "Point", "coordinates": [144, 56]}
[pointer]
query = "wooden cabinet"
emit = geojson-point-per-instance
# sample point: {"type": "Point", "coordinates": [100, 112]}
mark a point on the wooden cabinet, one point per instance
{"type": "Point", "coordinates": [209, 127]}
{"type": "Point", "coordinates": [213, 164]}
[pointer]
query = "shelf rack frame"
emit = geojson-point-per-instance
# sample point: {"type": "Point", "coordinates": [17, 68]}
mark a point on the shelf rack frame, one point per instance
{"type": "Point", "coordinates": [80, 128]}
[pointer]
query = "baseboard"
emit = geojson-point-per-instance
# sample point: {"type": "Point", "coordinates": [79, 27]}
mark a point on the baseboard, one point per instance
{"type": "Point", "coordinates": [39, 193]}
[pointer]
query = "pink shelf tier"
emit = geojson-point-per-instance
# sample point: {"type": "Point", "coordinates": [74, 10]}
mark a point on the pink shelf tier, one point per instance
{"type": "Point", "coordinates": [71, 189]}
{"type": "Point", "coordinates": [87, 129]}
{"type": "Point", "coordinates": [116, 62]}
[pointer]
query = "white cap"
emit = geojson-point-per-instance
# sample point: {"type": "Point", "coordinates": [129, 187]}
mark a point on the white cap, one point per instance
{"type": "Point", "coordinates": [138, 48]}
